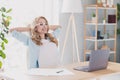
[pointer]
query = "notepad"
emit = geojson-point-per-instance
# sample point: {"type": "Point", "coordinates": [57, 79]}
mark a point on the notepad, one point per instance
{"type": "Point", "coordinates": [49, 72]}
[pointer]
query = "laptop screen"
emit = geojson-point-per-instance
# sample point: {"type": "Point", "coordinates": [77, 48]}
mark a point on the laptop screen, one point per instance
{"type": "Point", "coordinates": [98, 59]}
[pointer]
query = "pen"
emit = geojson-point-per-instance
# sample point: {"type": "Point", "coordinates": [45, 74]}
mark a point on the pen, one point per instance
{"type": "Point", "coordinates": [59, 71]}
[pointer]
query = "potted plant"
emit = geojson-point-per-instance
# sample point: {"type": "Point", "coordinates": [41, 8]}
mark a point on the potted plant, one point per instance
{"type": "Point", "coordinates": [4, 24]}
{"type": "Point", "coordinates": [93, 17]}
{"type": "Point", "coordinates": [104, 20]}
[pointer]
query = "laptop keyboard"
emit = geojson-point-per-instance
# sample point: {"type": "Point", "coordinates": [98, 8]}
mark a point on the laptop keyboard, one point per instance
{"type": "Point", "coordinates": [82, 68]}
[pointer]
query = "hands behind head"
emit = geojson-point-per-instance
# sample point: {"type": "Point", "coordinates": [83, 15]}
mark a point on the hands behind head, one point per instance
{"type": "Point", "coordinates": [54, 27]}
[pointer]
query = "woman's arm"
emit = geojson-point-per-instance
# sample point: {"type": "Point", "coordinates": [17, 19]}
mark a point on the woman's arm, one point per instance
{"type": "Point", "coordinates": [28, 29]}
{"type": "Point", "coordinates": [54, 27]}
{"type": "Point", "coordinates": [56, 30]}
{"type": "Point", "coordinates": [16, 33]}
{"type": "Point", "coordinates": [21, 29]}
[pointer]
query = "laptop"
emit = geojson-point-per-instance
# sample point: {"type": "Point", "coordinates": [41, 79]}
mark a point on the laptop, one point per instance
{"type": "Point", "coordinates": [98, 61]}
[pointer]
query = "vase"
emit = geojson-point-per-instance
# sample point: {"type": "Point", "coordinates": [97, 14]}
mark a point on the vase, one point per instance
{"type": "Point", "coordinates": [104, 21]}
{"type": "Point", "coordinates": [93, 19]}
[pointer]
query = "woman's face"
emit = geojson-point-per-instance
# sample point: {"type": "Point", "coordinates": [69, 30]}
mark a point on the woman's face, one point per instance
{"type": "Point", "coordinates": [42, 26]}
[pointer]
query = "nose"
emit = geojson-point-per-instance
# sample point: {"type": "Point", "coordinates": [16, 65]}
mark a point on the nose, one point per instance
{"type": "Point", "coordinates": [43, 25]}
{"type": "Point", "coordinates": [43, 28]}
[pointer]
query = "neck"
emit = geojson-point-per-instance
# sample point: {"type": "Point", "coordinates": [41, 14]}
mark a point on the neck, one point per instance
{"type": "Point", "coordinates": [42, 36]}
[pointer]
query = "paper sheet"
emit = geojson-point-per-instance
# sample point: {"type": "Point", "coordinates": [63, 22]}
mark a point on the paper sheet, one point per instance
{"type": "Point", "coordinates": [49, 72]}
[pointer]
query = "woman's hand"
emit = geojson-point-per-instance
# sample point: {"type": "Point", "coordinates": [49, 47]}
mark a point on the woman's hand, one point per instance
{"type": "Point", "coordinates": [54, 27]}
{"type": "Point", "coordinates": [11, 30]}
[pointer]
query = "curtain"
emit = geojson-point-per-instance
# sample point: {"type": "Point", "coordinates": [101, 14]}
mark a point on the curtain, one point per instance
{"type": "Point", "coordinates": [23, 13]}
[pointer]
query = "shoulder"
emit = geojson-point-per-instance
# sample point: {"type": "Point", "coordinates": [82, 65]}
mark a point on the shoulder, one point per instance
{"type": "Point", "coordinates": [52, 44]}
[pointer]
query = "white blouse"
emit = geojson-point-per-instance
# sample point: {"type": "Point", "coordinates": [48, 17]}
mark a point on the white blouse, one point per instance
{"type": "Point", "coordinates": [48, 55]}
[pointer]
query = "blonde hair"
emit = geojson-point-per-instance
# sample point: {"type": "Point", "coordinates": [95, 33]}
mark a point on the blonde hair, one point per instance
{"type": "Point", "coordinates": [35, 34]}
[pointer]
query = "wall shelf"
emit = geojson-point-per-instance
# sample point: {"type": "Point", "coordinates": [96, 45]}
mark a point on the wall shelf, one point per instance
{"type": "Point", "coordinates": [104, 28]}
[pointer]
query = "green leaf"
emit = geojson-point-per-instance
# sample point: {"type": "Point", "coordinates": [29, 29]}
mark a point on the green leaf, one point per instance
{"type": "Point", "coordinates": [6, 30]}
{"type": "Point", "coordinates": [8, 10]}
{"type": "Point", "coordinates": [2, 54]}
{"type": "Point", "coordinates": [0, 64]}
{"type": "Point", "coordinates": [1, 38]}
{"type": "Point", "coordinates": [3, 21]}
{"type": "Point", "coordinates": [5, 40]}
{"type": "Point", "coordinates": [93, 15]}
{"type": "Point", "coordinates": [6, 23]}
{"type": "Point", "coordinates": [2, 46]}
{"type": "Point", "coordinates": [2, 35]}
{"type": "Point", "coordinates": [3, 15]}
{"type": "Point", "coordinates": [118, 31]}
{"type": "Point", "coordinates": [3, 9]}
{"type": "Point", "coordinates": [9, 17]}
{"type": "Point", "coordinates": [118, 11]}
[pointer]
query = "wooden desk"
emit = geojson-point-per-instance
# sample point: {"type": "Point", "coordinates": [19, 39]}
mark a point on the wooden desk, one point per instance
{"type": "Point", "coordinates": [78, 75]}
{"type": "Point", "coordinates": [112, 76]}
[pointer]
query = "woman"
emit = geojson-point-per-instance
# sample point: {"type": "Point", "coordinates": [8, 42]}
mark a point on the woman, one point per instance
{"type": "Point", "coordinates": [42, 45]}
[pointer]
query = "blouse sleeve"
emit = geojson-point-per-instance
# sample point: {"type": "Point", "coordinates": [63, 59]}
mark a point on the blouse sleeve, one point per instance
{"type": "Point", "coordinates": [21, 37]}
{"type": "Point", "coordinates": [56, 32]}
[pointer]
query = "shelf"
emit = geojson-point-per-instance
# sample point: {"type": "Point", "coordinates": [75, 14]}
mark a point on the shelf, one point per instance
{"type": "Point", "coordinates": [111, 52]}
{"type": "Point", "coordinates": [104, 8]}
{"type": "Point", "coordinates": [110, 39]}
{"type": "Point", "coordinates": [94, 26]}
{"type": "Point", "coordinates": [112, 24]}
{"type": "Point", "coordinates": [96, 7]}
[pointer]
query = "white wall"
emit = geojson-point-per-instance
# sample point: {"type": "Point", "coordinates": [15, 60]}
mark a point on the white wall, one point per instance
{"type": "Point", "coordinates": [24, 11]}
{"type": "Point", "coordinates": [79, 17]}
{"type": "Point", "coordinates": [80, 30]}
